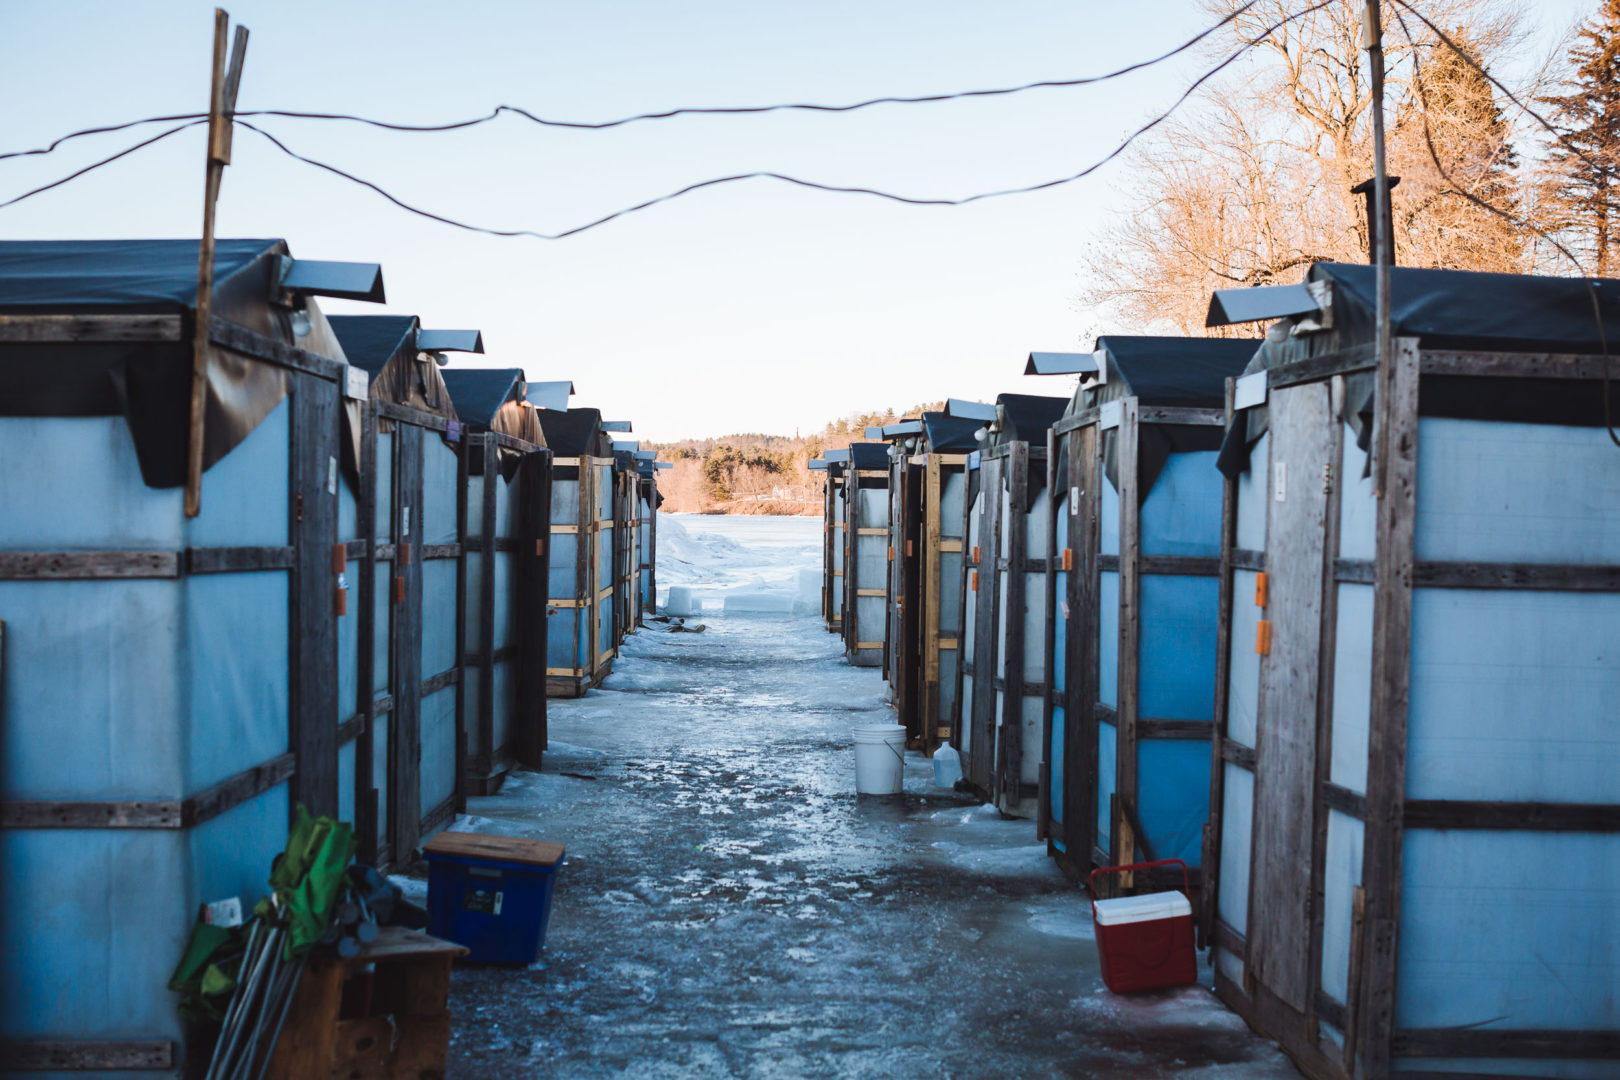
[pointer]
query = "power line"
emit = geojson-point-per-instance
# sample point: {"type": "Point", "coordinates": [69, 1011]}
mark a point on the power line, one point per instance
{"type": "Point", "coordinates": [800, 181]}
{"type": "Point", "coordinates": [104, 161]}
{"type": "Point", "coordinates": [667, 114]}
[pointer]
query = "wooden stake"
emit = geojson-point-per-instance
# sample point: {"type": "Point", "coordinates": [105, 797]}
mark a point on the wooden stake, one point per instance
{"type": "Point", "coordinates": [221, 106]}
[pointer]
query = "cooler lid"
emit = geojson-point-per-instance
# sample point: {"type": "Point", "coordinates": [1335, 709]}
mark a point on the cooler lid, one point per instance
{"type": "Point", "coordinates": [1144, 908]}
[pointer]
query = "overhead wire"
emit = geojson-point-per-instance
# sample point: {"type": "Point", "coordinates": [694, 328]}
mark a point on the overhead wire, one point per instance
{"type": "Point", "coordinates": [104, 161]}
{"type": "Point", "coordinates": [666, 114]}
{"type": "Point", "coordinates": [800, 181]}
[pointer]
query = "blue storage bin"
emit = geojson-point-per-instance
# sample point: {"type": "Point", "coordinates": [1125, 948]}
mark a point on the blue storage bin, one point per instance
{"type": "Point", "coordinates": [491, 894]}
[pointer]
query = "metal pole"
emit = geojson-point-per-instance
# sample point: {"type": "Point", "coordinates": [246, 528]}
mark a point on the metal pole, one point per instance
{"type": "Point", "coordinates": [1372, 39]}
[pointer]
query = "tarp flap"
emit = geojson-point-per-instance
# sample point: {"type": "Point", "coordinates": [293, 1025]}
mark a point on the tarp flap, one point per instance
{"type": "Point", "coordinates": [949, 434]}
{"type": "Point", "coordinates": [467, 341]}
{"type": "Point", "coordinates": [970, 410]}
{"type": "Point", "coordinates": [370, 341]}
{"type": "Point", "coordinates": [149, 384]}
{"type": "Point", "coordinates": [571, 432]}
{"type": "Point", "coordinates": [345, 280]}
{"type": "Point", "coordinates": [1060, 363]}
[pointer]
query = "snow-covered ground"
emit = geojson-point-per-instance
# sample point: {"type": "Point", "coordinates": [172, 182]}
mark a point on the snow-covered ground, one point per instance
{"type": "Point", "coordinates": [730, 907]}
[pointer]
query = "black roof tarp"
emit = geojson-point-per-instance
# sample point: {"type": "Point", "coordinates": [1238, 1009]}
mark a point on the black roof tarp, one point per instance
{"type": "Point", "coordinates": [868, 455]}
{"type": "Point", "coordinates": [1169, 372]}
{"type": "Point", "coordinates": [1463, 310]}
{"type": "Point", "coordinates": [148, 383]}
{"type": "Point", "coordinates": [949, 434]}
{"type": "Point", "coordinates": [479, 393]}
{"type": "Point", "coordinates": [1173, 372]}
{"type": "Point", "coordinates": [1026, 418]}
{"type": "Point", "coordinates": [572, 432]}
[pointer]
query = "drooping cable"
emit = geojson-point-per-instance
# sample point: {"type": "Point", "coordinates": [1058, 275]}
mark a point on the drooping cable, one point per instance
{"type": "Point", "coordinates": [104, 161]}
{"type": "Point", "coordinates": [667, 114]}
{"type": "Point", "coordinates": [910, 200]}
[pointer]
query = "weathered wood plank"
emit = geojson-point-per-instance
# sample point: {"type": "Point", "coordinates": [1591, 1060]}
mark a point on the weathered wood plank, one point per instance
{"type": "Point", "coordinates": [1302, 436]}
{"type": "Point", "coordinates": [1130, 634]}
{"type": "Point", "coordinates": [1551, 577]}
{"type": "Point", "coordinates": [236, 790]}
{"type": "Point", "coordinates": [1514, 365]}
{"type": "Point", "coordinates": [239, 339]}
{"type": "Point", "coordinates": [87, 565]}
{"type": "Point", "coordinates": [368, 827]}
{"type": "Point", "coordinates": [64, 329]}
{"type": "Point", "coordinates": [1211, 851]}
{"type": "Point", "coordinates": [60, 1055]}
{"type": "Point", "coordinates": [1487, 1042]}
{"type": "Point", "coordinates": [1345, 801]}
{"type": "Point", "coordinates": [313, 649]}
{"type": "Point", "coordinates": [1527, 816]}
{"type": "Point", "coordinates": [1015, 552]}
{"type": "Point", "coordinates": [1395, 442]}
{"type": "Point", "coordinates": [236, 560]}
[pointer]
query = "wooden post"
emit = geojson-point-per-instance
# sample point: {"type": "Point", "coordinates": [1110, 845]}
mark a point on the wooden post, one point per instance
{"type": "Point", "coordinates": [221, 107]}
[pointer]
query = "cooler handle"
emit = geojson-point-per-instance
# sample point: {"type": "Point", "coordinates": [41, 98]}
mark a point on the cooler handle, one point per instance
{"type": "Point", "coordinates": [1091, 882]}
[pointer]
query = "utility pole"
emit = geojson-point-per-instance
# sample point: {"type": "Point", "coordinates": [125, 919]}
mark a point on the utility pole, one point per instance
{"type": "Point", "coordinates": [1372, 39]}
{"type": "Point", "coordinates": [221, 109]}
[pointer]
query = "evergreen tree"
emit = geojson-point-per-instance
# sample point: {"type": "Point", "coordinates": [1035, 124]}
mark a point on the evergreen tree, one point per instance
{"type": "Point", "coordinates": [1584, 189]}
{"type": "Point", "coordinates": [1458, 202]}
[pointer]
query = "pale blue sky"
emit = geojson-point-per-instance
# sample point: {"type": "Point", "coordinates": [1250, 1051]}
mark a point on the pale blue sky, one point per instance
{"type": "Point", "coordinates": [753, 307]}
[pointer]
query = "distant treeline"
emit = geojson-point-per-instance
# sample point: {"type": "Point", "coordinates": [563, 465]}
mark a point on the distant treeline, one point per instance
{"type": "Point", "coordinates": [753, 473]}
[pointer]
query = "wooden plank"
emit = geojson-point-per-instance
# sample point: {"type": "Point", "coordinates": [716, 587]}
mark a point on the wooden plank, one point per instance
{"type": "Point", "coordinates": [1302, 434]}
{"type": "Point", "coordinates": [368, 828]}
{"type": "Point", "coordinates": [1238, 754]}
{"type": "Point", "coordinates": [448, 677]}
{"type": "Point", "coordinates": [1244, 559]}
{"type": "Point", "coordinates": [350, 729]}
{"type": "Point", "coordinates": [1484, 1042]}
{"type": "Point", "coordinates": [237, 560]}
{"type": "Point", "coordinates": [1084, 671]}
{"type": "Point", "coordinates": [312, 652]}
{"type": "Point", "coordinates": [1553, 577]}
{"type": "Point", "coordinates": [239, 339]}
{"type": "Point", "coordinates": [533, 582]}
{"type": "Point", "coordinates": [1527, 816]}
{"type": "Point", "coordinates": [236, 790]}
{"type": "Point", "coordinates": [930, 614]}
{"type": "Point", "coordinates": [1210, 855]}
{"type": "Point", "coordinates": [485, 631]}
{"type": "Point", "coordinates": [1345, 801]}
{"type": "Point", "coordinates": [62, 1055]}
{"type": "Point", "coordinates": [405, 673]}
{"type": "Point", "coordinates": [72, 814]}
{"type": "Point", "coordinates": [1165, 414]}
{"type": "Point", "coordinates": [1130, 615]}
{"type": "Point", "coordinates": [441, 551]}
{"type": "Point", "coordinates": [871, 592]}
{"type": "Point", "coordinates": [1009, 774]}
{"type": "Point", "coordinates": [980, 764]}
{"type": "Point", "coordinates": [66, 329]}
{"type": "Point", "coordinates": [1193, 730]}
{"type": "Point", "coordinates": [1320, 368]}
{"type": "Point", "coordinates": [465, 449]}
{"type": "Point", "coordinates": [1327, 636]}
{"type": "Point", "coordinates": [1511, 365]}
{"type": "Point", "coordinates": [87, 565]}
{"type": "Point", "coordinates": [1395, 440]}
{"type": "Point", "coordinates": [871, 532]}
{"type": "Point", "coordinates": [416, 418]}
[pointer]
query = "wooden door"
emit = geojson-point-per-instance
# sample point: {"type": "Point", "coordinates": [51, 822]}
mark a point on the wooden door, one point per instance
{"type": "Point", "coordinates": [1302, 435]}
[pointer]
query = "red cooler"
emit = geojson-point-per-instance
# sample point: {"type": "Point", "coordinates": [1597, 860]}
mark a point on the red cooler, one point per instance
{"type": "Point", "coordinates": [1145, 942]}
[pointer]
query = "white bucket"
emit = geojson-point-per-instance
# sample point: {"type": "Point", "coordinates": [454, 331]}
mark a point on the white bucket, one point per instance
{"type": "Point", "coordinates": [880, 759]}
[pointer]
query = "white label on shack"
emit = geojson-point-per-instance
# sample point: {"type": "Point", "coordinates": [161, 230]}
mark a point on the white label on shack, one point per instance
{"type": "Point", "coordinates": [404, 521]}
{"type": "Point", "coordinates": [1074, 500]}
{"type": "Point", "coordinates": [1109, 415]}
{"type": "Point", "coordinates": [331, 476]}
{"type": "Point", "coordinates": [1279, 481]}
{"type": "Point", "coordinates": [1249, 391]}
{"type": "Point", "coordinates": [356, 383]}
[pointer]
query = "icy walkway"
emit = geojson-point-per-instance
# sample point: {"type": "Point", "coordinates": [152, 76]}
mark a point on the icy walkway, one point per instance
{"type": "Point", "coordinates": [730, 909]}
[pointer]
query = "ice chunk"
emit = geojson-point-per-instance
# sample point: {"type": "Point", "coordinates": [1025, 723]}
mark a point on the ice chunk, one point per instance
{"type": "Point", "coordinates": [680, 601]}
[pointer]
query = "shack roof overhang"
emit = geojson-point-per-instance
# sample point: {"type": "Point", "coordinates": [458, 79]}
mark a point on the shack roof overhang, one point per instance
{"type": "Point", "coordinates": [1062, 363]}
{"type": "Point", "coordinates": [551, 395]}
{"type": "Point", "coordinates": [479, 393]}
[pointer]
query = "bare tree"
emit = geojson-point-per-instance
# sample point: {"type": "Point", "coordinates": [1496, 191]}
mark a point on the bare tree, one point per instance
{"type": "Point", "coordinates": [1256, 187]}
